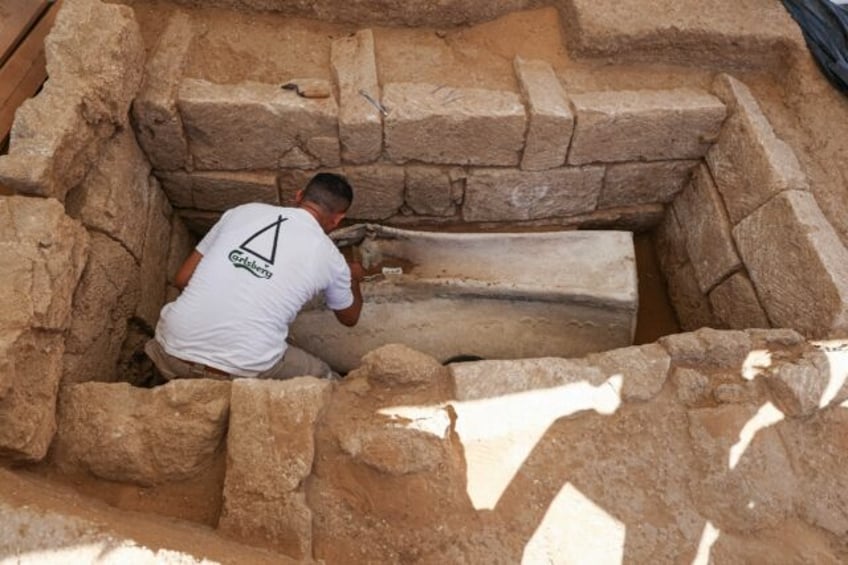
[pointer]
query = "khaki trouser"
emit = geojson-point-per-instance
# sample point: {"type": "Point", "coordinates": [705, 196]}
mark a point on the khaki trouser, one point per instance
{"type": "Point", "coordinates": [295, 363]}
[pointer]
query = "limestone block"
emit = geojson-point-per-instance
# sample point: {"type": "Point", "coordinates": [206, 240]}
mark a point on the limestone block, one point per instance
{"type": "Point", "coordinates": [219, 191]}
{"type": "Point", "coordinates": [354, 67]}
{"type": "Point", "coordinates": [114, 197]}
{"type": "Point", "coordinates": [58, 135]}
{"type": "Point", "coordinates": [708, 348]}
{"type": "Point", "coordinates": [157, 120]}
{"type": "Point", "coordinates": [398, 365]}
{"type": "Point", "coordinates": [490, 379]}
{"type": "Point", "coordinates": [30, 370]}
{"type": "Point", "coordinates": [464, 126]}
{"type": "Point", "coordinates": [154, 258]}
{"type": "Point", "coordinates": [631, 184]}
{"type": "Point", "coordinates": [181, 245]}
{"type": "Point", "coordinates": [270, 448]}
{"type": "Point", "coordinates": [709, 243]}
{"type": "Point", "coordinates": [252, 126]}
{"type": "Point", "coordinates": [749, 162]}
{"type": "Point", "coordinates": [105, 298]}
{"type": "Point", "coordinates": [743, 490]}
{"type": "Point", "coordinates": [42, 255]}
{"type": "Point", "coordinates": [779, 338]}
{"type": "Point", "coordinates": [799, 386]}
{"type": "Point", "coordinates": [692, 308]}
{"type": "Point", "coordinates": [504, 194]}
{"type": "Point", "coordinates": [377, 191]}
{"type": "Point", "coordinates": [670, 243]}
{"type": "Point", "coordinates": [429, 191]}
{"type": "Point", "coordinates": [644, 369]}
{"type": "Point", "coordinates": [644, 125]}
{"type": "Point", "coordinates": [797, 264]}
{"type": "Point", "coordinates": [199, 221]}
{"type": "Point", "coordinates": [736, 305]}
{"type": "Point", "coordinates": [147, 436]}
{"type": "Point", "coordinates": [551, 122]}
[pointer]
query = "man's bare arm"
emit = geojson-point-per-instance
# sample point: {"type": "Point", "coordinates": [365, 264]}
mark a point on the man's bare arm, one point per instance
{"type": "Point", "coordinates": [187, 269]}
{"type": "Point", "coordinates": [350, 315]}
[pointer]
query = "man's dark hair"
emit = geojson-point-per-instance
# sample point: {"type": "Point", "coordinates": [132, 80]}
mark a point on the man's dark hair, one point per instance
{"type": "Point", "coordinates": [330, 191]}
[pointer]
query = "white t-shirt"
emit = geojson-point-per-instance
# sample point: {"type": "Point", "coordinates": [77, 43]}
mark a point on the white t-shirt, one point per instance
{"type": "Point", "coordinates": [260, 265]}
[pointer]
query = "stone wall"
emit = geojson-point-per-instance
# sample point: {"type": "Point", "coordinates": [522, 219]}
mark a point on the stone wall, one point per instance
{"type": "Point", "coordinates": [88, 234]}
{"type": "Point", "coordinates": [492, 460]}
{"type": "Point", "coordinates": [746, 245]}
{"type": "Point", "coordinates": [420, 152]}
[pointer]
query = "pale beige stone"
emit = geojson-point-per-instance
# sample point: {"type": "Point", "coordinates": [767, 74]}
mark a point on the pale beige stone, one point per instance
{"type": "Point", "coordinates": [431, 124]}
{"type": "Point", "coordinates": [510, 194]}
{"type": "Point", "coordinates": [670, 243]}
{"type": "Point", "coordinates": [115, 195]}
{"type": "Point", "coordinates": [709, 243]}
{"type": "Point", "coordinates": [42, 255]}
{"type": "Point", "coordinates": [354, 67]}
{"type": "Point", "coordinates": [491, 379]}
{"type": "Point", "coordinates": [153, 274]}
{"type": "Point", "coordinates": [735, 304]}
{"type": "Point", "coordinates": [396, 450]}
{"type": "Point", "coordinates": [550, 122]}
{"type": "Point", "coordinates": [377, 191]}
{"type": "Point", "coordinates": [631, 184]}
{"type": "Point", "coordinates": [252, 126]}
{"type": "Point", "coordinates": [644, 125]}
{"type": "Point", "coordinates": [59, 134]}
{"type": "Point", "coordinates": [219, 190]}
{"type": "Point", "coordinates": [708, 348]}
{"type": "Point", "coordinates": [797, 263]}
{"type": "Point", "coordinates": [146, 436]}
{"type": "Point", "coordinates": [744, 491]}
{"type": "Point", "coordinates": [105, 298]}
{"type": "Point", "coordinates": [157, 121]}
{"type": "Point", "coordinates": [644, 369]}
{"type": "Point", "coordinates": [429, 191]}
{"type": "Point", "coordinates": [270, 449]}
{"type": "Point", "coordinates": [30, 370]}
{"type": "Point", "coordinates": [749, 162]}
{"type": "Point", "coordinates": [798, 386]}
{"type": "Point", "coordinates": [399, 365]}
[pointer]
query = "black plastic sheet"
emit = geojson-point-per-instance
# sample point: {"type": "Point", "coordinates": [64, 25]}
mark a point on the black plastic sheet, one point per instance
{"type": "Point", "coordinates": [825, 27]}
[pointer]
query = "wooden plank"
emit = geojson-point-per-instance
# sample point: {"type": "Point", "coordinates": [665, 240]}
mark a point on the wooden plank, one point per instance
{"type": "Point", "coordinates": [18, 65]}
{"type": "Point", "coordinates": [30, 84]}
{"type": "Point", "coordinates": [16, 19]}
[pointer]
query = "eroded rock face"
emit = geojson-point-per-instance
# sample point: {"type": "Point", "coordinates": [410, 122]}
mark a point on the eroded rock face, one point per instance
{"type": "Point", "coordinates": [42, 255]}
{"type": "Point", "coordinates": [146, 436]}
{"type": "Point", "coordinates": [58, 135]}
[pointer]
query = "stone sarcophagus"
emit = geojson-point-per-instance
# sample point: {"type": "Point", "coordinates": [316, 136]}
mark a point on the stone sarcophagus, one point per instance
{"type": "Point", "coordinates": [491, 295]}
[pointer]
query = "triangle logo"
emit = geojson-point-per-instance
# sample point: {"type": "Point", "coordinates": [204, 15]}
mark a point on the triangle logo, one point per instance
{"type": "Point", "coordinates": [263, 244]}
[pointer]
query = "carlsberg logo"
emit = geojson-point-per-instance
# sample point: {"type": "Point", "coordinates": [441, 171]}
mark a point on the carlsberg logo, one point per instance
{"type": "Point", "coordinates": [241, 261]}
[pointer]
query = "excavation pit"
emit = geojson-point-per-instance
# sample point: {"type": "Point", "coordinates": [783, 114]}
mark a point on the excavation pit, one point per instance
{"type": "Point", "coordinates": [717, 443]}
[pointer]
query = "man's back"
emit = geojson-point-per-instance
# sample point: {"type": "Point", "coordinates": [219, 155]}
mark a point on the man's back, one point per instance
{"type": "Point", "coordinates": [260, 264]}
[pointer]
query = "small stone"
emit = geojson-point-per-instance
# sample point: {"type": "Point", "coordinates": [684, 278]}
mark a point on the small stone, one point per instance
{"type": "Point", "coordinates": [643, 368]}
{"type": "Point", "coordinates": [707, 347]}
{"type": "Point", "coordinates": [798, 387]}
{"type": "Point", "coordinates": [399, 365]}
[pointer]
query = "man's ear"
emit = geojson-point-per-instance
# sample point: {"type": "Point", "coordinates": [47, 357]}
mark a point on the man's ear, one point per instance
{"type": "Point", "coordinates": [337, 219]}
{"type": "Point", "coordinates": [298, 197]}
